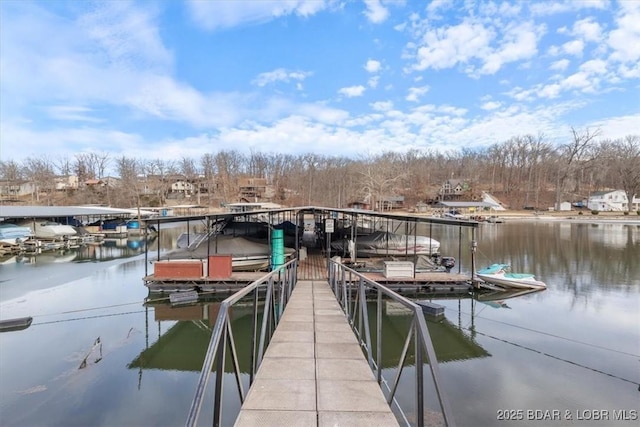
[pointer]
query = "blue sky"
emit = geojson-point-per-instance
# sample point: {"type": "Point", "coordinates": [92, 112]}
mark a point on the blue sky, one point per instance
{"type": "Point", "coordinates": [174, 79]}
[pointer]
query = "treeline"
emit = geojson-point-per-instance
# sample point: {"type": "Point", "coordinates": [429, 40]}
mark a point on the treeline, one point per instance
{"type": "Point", "coordinates": [524, 170]}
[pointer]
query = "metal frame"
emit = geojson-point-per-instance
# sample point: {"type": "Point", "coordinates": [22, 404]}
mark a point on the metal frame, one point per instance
{"type": "Point", "coordinates": [278, 285]}
{"type": "Point", "coordinates": [351, 288]}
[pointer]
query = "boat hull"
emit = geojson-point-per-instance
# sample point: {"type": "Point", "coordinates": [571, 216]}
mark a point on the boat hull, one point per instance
{"type": "Point", "coordinates": [508, 282]}
{"type": "Point", "coordinates": [50, 230]}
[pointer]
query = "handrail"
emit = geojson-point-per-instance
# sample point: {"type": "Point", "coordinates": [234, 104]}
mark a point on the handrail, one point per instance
{"type": "Point", "coordinates": [279, 285]}
{"type": "Point", "coordinates": [350, 287]}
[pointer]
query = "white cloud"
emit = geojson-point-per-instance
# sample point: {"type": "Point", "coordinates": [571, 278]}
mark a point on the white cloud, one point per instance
{"type": "Point", "coordinates": [372, 66]}
{"type": "Point", "coordinates": [579, 80]}
{"type": "Point", "coordinates": [127, 35]}
{"type": "Point", "coordinates": [416, 92]}
{"type": "Point", "coordinates": [573, 47]}
{"type": "Point", "coordinates": [594, 66]}
{"type": "Point", "coordinates": [549, 91]}
{"type": "Point", "coordinates": [560, 65]}
{"type": "Point", "coordinates": [618, 127]}
{"type": "Point", "coordinates": [222, 14]}
{"type": "Point", "coordinates": [625, 39]}
{"type": "Point", "coordinates": [437, 6]}
{"type": "Point", "coordinates": [72, 113]}
{"type": "Point", "coordinates": [551, 8]}
{"type": "Point", "coordinates": [373, 82]}
{"type": "Point", "coordinates": [520, 42]}
{"type": "Point", "coordinates": [164, 98]}
{"type": "Point", "coordinates": [21, 141]}
{"type": "Point", "coordinates": [473, 41]}
{"type": "Point", "coordinates": [280, 75]}
{"type": "Point", "coordinates": [632, 71]}
{"type": "Point", "coordinates": [554, 51]}
{"type": "Point", "coordinates": [352, 91]}
{"type": "Point", "coordinates": [445, 47]}
{"type": "Point", "coordinates": [321, 113]}
{"type": "Point", "coordinates": [587, 29]}
{"type": "Point", "coordinates": [376, 12]}
{"type": "Point", "coordinates": [490, 105]}
{"type": "Point", "coordinates": [382, 106]}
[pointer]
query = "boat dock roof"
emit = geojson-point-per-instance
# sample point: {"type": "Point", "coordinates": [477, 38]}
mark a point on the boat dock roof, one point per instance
{"type": "Point", "coordinates": [7, 212]}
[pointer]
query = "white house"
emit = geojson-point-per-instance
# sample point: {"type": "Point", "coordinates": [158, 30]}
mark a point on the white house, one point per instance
{"type": "Point", "coordinates": [66, 182]}
{"type": "Point", "coordinates": [182, 186]}
{"type": "Point", "coordinates": [16, 188]}
{"type": "Point", "coordinates": [612, 200]}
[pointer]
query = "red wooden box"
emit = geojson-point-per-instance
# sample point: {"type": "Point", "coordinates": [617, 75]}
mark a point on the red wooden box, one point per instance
{"type": "Point", "coordinates": [178, 269]}
{"type": "Point", "coordinates": [220, 266]}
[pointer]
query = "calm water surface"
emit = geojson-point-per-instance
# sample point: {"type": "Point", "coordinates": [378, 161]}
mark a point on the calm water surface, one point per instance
{"type": "Point", "coordinates": [97, 355]}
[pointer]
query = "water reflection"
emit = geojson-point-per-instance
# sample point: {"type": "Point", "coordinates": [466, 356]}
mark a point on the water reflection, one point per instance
{"type": "Point", "coordinates": [184, 344]}
{"type": "Point", "coordinates": [106, 250]}
{"type": "Point", "coordinates": [574, 256]}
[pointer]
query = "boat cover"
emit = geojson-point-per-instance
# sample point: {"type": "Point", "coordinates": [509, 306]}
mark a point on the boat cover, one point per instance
{"type": "Point", "coordinates": [239, 247]}
{"type": "Point", "coordinates": [379, 241]}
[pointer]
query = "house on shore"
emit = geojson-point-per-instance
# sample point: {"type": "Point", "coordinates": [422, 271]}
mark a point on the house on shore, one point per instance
{"type": "Point", "coordinates": [612, 201]}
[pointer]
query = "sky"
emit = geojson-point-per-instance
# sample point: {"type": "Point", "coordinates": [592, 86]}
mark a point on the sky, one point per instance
{"type": "Point", "coordinates": [177, 79]}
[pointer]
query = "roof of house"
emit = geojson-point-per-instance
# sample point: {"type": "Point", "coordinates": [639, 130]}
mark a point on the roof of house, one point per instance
{"type": "Point", "coordinates": [603, 193]}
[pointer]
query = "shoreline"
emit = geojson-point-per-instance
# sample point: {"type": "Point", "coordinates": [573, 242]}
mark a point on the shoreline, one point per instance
{"type": "Point", "coordinates": [569, 217]}
{"type": "Point", "coordinates": [572, 216]}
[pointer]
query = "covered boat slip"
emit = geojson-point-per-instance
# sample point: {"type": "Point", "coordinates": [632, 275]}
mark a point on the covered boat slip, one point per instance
{"type": "Point", "coordinates": [314, 235]}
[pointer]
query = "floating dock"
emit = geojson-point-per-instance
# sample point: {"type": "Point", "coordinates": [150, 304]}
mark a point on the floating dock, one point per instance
{"type": "Point", "coordinates": [314, 372]}
{"type": "Point", "coordinates": [313, 267]}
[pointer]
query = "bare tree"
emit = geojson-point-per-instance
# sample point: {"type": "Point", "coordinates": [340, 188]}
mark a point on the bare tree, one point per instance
{"type": "Point", "coordinates": [379, 177]}
{"type": "Point", "coordinates": [101, 161]}
{"type": "Point", "coordinates": [229, 166]}
{"type": "Point", "coordinates": [64, 165]}
{"type": "Point", "coordinates": [129, 170]}
{"type": "Point", "coordinates": [40, 170]}
{"type": "Point", "coordinates": [11, 170]}
{"type": "Point", "coordinates": [571, 155]}
{"type": "Point", "coordinates": [208, 165]}
{"type": "Point", "coordinates": [189, 169]}
{"type": "Point", "coordinates": [624, 156]}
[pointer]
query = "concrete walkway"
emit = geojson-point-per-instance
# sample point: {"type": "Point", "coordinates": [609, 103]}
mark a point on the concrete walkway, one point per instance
{"type": "Point", "coordinates": [313, 372]}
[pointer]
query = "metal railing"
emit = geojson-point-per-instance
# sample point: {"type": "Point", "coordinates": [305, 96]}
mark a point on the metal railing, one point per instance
{"type": "Point", "coordinates": [276, 287]}
{"type": "Point", "coordinates": [351, 289]}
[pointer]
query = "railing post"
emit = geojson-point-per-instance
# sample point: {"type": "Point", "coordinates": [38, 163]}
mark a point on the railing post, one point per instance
{"type": "Point", "coordinates": [265, 317]}
{"type": "Point", "coordinates": [217, 406]}
{"type": "Point", "coordinates": [379, 337]}
{"type": "Point", "coordinates": [365, 316]}
{"type": "Point", "coordinates": [419, 377]}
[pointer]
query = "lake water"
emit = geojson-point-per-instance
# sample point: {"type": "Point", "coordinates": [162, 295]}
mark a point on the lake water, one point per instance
{"type": "Point", "coordinates": [97, 355]}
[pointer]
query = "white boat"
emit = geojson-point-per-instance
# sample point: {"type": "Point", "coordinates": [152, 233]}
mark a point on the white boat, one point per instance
{"type": "Point", "coordinates": [454, 214]}
{"type": "Point", "coordinates": [14, 234]}
{"type": "Point", "coordinates": [381, 243]}
{"type": "Point", "coordinates": [43, 229]}
{"type": "Point", "coordinates": [500, 274]}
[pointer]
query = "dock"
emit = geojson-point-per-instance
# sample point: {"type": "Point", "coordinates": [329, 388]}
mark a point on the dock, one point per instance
{"type": "Point", "coordinates": [313, 267]}
{"type": "Point", "coordinates": [314, 372]}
